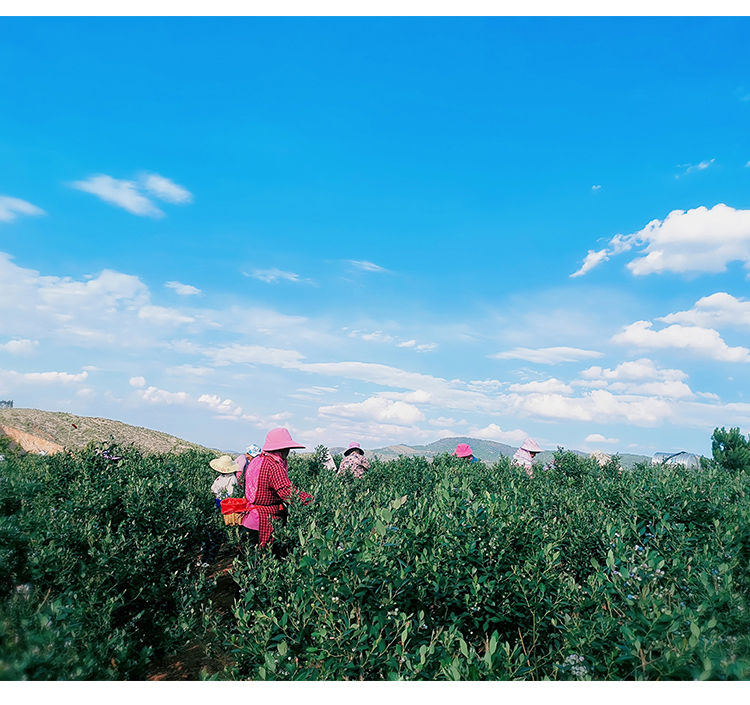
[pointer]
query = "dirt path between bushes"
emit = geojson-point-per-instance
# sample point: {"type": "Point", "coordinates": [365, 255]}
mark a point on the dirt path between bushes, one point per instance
{"type": "Point", "coordinates": [195, 657]}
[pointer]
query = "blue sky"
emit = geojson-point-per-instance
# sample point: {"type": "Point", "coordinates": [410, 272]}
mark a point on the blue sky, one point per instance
{"type": "Point", "coordinates": [366, 229]}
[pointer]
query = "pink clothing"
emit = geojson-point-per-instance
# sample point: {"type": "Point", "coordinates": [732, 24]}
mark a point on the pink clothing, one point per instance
{"type": "Point", "coordinates": [524, 459]}
{"type": "Point", "coordinates": [252, 470]}
{"type": "Point", "coordinates": [355, 463]}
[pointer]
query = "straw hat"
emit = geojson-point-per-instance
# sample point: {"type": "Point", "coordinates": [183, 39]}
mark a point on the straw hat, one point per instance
{"type": "Point", "coordinates": [225, 465]}
{"type": "Point", "coordinates": [279, 439]}
{"type": "Point", "coordinates": [353, 447]}
{"type": "Point", "coordinates": [531, 446]}
{"type": "Point", "coordinates": [463, 450]}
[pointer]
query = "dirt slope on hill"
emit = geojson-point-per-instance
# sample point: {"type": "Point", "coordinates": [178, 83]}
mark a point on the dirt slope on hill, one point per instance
{"type": "Point", "coordinates": [51, 431]}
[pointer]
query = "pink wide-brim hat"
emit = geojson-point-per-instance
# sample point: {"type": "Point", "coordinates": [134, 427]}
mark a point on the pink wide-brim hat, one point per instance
{"type": "Point", "coordinates": [531, 445]}
{"type": "Point", "coordinates": [353, 446]}
{"type": "Point", "coordinates": [463, 450]}
{"type": "Point", "coordinates": [279, 439]}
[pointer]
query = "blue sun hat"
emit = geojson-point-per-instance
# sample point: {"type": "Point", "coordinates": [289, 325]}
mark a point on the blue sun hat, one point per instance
{"type": "Point", "coordinates": [252, 450]}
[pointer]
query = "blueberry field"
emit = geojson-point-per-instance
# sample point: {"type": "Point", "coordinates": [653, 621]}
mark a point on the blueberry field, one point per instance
{"type": "Point", "coordinates": [420, 570]}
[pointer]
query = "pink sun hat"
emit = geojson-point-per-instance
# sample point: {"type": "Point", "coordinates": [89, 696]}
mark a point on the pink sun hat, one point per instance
{"type": "Point", "coordinates": [353, 446]}
{"type": "Point", "coordinates": [531, 445]}
{"type": "Point", "coordinates": [279, 439]}
{"type": "Point", "coordinates": [463, 450]}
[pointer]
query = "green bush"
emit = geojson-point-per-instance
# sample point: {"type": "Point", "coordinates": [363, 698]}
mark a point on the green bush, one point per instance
{"type": "Point", "coordinates": [420, 570]}
{"type": "Point", "coordinates": [731, 449]}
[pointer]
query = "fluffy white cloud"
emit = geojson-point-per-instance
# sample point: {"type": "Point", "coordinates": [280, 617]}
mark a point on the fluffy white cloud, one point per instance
{"type": "Point", "coordinates": [165, 189]}
{"type": "Point", "coordinates": [598, 438]}
{"type": "Point", "coordinates": [119, 192]}
{"type": "Point", "coordinates": [717, 310]}
{"type": "Point", "coordinates": [596, 187]}
{"type": "Point", "coordinates": [702, 341]}
{"type": "Point", "coordinates": [635, 370]}
{"type": "Point", "coordinates": [376, 409]}
{"type": "Point", "coordinates": [183, 289]}
{"type": "Point", "coordinates": [11, 208]}
{"type": "Point", "coordinates": [22, 346]}
{"type": "Point", "coordinates": [223, 407]}
{"type": "Point", "coordinates": [638, 377]}
{"type": "Point", "coordinates": [366, 266]}
{"type": "Point", "coordinates": [493, 432]}
{"type": "Point", "coordinates": [547, 356]}
{"type": "Point", "coordinates": [137, 382]}
{"type": "Point", "coordinates": [550, 386]}
{"type": "Point", "coordinates": [597, 405]}
{"type": "Point", "coordinates": [697, 240]}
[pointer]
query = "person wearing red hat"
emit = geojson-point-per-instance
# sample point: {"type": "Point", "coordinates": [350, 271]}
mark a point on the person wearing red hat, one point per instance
{"type": "Point", "coordinates": [354, 461]}
{"type": "Point", "coordinates": [268, 488]}
{"type": "Point", "coordinates": [463, 450]}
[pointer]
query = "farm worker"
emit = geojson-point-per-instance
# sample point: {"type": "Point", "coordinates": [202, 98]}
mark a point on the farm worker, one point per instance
{"type": "Point", "coordinates": [243, 459]}
{"type": "Point", "coordinates": [463, 450]}
{"type": "Point", "coordinates": [225, 481]}
{"type": "Point", "coordinates": [354, 461]}
{"type": "Point", "coordinates": [267, 486]}
{"type": "Point", "coordinates": [328, 462]}
{"type": "Point", "coordinates": [525, 455]}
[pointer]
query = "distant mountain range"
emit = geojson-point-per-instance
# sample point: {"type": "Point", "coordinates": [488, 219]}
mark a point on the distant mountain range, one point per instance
{"type": "Point", "coordinates": [489, 451]}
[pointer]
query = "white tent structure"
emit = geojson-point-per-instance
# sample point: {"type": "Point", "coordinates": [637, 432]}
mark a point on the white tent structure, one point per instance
{"type": "Point", "coordinates": [688, 460]}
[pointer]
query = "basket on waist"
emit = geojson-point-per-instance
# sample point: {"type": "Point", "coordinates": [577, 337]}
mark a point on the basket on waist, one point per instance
{"type": "Point", "coordinates": [233, 509]}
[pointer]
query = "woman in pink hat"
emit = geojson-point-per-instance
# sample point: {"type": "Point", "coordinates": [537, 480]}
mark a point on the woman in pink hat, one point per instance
{"type": "Point", "coordinates": [463, 450]}
{"type": "Point", "coordinates": [354, 461]}
{"type": "Point", "coordinates": [525, 455]}
{"type": "Point", "coordinates": [268, 489]}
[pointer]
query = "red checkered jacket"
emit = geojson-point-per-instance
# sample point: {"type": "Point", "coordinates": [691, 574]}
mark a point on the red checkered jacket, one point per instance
{"type": "Point", "coordinates": [275, 491]}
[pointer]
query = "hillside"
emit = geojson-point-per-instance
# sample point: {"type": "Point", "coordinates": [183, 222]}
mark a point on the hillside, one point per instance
{"type": "Point", "coordinates": [489, 451]}
{"type": "Point", "coordinates": [51, 431]}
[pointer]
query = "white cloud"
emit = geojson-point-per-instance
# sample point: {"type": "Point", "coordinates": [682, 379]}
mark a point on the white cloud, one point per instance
{"type": "Point", "coordinates": [719, 309]}
{"type": "Point", "coordinates": [165, 189]}
{"type": "Point", "coordinates": [596, 187]}
{"type": "Point", "coordinates": [547, 356]}
{"type": "Point", "coordinates": [597, 405]}
{"type": "Point", "coordinates": [696, 240]}
{"type": "Point", "coordinates": [13, 377]}
{"type": "Point", "coordinates": [702, 341]}
{"type": "Point", "coordinates": [189, 371]}
{"type": "Point", "coordinates": [592, 259]}
{"type": "Point", "coordinates": [635, 370]}
{"type": "Point", "coordinates": [153, 395]}
{"type": "Point", "coordinates": [11, 208]}
{"type": "Point", "coordinates": [690, 168]}
{"type": "Point", "coordinates": [183, 289]}
{"type": "Point", "coordinates": [163, 316]}
{"type": "Point", "coordinates": [493, 432]}
{"type": "Point", "coordinates": [22, 346]}
{"type": "Point", "coordinates": [137, 382]}
{"type": "Point", "coordinates": [119, 192]}
{"type": "Point", "coordinates": [273, 275]}
{"type": "Point", "coordinates": [550, 386]}
{"type": "Point", "coordinates": [598, 438]}
{"type": "Point", "coordinates": [223, 407]}
{"type": "Point", "coordinates": [376, 409]}
{"type": "Point", "coordinates": [366, 266]}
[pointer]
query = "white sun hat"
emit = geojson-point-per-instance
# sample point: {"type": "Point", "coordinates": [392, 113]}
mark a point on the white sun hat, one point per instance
{"type": "Point", "coordinates": [531, 445]}
{"type": "Point", "coordinates": [225, 465]}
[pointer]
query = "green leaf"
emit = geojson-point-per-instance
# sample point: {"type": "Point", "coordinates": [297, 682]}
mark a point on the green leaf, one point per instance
{"type": "Point", "coordinates": [695, 630]}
